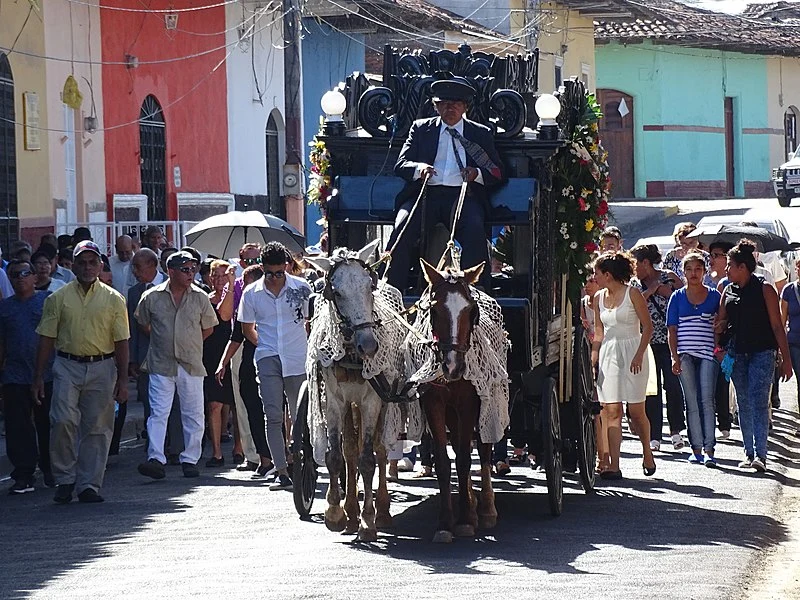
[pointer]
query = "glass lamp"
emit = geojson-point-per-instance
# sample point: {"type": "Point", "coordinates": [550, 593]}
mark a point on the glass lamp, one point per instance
{"type": "Point", "coordinates": [548, 108]}
{"type": "Point", "coordinates": [333, 104]}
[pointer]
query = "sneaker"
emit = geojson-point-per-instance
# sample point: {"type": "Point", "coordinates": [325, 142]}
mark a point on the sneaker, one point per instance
{"type": "Point", "coordinates": [711, 462]}
{"type": "Point", "coordinates": [64, 493]}
{"type": "Point", "coordinates": [215, 462]}
{"type": "Point", "coordinates": [20, 487]}
{"type": "Point", "coordinates": [759, 464]}
{"type": "Point", "coordinates": [152, 468]}
{"type": "Point", "coordinates": [282, 482]}
{"type": "Point", "coordinates": [405, 464]}
{"type": "Point", "coordinates": [696, 459]}
{"type": "Point", "coordinates": [677, 442]}
{"type": "Point", "coordinates": [746, 463]}
{"type": "Point", "coordinates": [264, 472]}
{"type": "Point", "coordinates": [724, 434]}
{"type": "Point", "coordinates": [190, 470]}
{"type": "Point", "coordinates": [247, 466]}
{"type": "Point", "coordinates": [89, 496]}
{"type": "Point", "coordinates": [655, 445]}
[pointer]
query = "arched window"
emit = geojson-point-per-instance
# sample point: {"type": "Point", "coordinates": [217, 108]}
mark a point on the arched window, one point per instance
{"type": "Point", "coordinates": [152, 158]}
{"type": "Point", "coordinates": [9, 223]}
{"type": "Point", "coordinates": [790, 130]}
{"type": "Point", "coordinates": [275, 206]}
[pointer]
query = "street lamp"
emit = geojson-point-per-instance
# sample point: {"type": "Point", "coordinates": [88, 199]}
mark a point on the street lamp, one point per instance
{"type": "Point", "coordinates": [548, 108]}
{"type": "Point", "coordinates": [333, 104]}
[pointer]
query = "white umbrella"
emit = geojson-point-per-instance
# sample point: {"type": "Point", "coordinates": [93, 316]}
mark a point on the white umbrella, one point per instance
{"type": "Point", "coordinates": [223, 235]}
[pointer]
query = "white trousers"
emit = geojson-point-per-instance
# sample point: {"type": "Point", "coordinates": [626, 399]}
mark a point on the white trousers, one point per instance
{"type": "Point", "coordinates": [190, 395]}
{"type": "Point", "coordinates": [248, 446]}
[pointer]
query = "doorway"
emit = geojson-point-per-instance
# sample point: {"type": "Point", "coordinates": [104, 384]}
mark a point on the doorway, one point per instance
{"type": "Point", "coordinates": [273, 174]}
{"type": "Point", "coordinates": [9, 223]}
{"type": "Point", "coordinates": [730, 155]}
{"type": "Point", "coordinates": [616, 134]}
{"type": "Point", "coordinates": [790, 130]}
{"type": "Point", "coordinates": [152, 158]}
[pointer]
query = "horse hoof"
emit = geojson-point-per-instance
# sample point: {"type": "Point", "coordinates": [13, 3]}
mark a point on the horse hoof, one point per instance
{"type": "Point", "coordinates": [464, 530]}
{"type": "Point", "coordinates": [384, 522]}
{"type": "Point", "coordinates": [442, 537]}
{"type": "Point", "coordinates": [335, 519]}
{"type": "Point", "coordinates": [351, 528]}
{"type": "Point", "coordinates": [487, 521]}
{"type": "Point", "coordinates": [367, 535]}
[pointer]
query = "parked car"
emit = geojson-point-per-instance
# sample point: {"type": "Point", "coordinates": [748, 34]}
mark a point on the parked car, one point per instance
{"type": "Point", "coordinates": [762, 219]}
{"type": "Point", "coordinates": [786, 180]}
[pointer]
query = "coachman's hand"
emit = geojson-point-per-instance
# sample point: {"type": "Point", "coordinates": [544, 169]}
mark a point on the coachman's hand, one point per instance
{"type": "Point", "coordinates": [427, 171]}
{"type": "Point", "coordinates": [469, 174]}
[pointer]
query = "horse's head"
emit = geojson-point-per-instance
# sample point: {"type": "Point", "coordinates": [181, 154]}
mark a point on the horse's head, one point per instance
{"type": "Point", "coordinates": [454, 314]}
{"type": "Point", "coordinates": [349, 285]}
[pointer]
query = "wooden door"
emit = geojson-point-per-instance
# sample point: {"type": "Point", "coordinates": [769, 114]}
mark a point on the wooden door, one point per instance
{"type": "Point", "coordinates": [730, 156]}
{"type": "Point", "coordinates": [616, 134]}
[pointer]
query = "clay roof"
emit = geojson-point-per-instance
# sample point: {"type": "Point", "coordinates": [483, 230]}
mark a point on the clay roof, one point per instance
{"type": "Point", "coordinates": [668, 22]}
{"type": "Point", "coordinates": [780, 12]}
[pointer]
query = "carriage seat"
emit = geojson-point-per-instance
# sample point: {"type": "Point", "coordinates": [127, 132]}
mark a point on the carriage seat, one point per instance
{"type": "Point", "coordinates": [370, 199]}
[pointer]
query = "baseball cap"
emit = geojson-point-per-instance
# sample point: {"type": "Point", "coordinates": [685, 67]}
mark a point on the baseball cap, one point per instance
{"type": "Point", "coordinates": [84, 246]}
{"type": "Point", "coordinates": [180, 258]}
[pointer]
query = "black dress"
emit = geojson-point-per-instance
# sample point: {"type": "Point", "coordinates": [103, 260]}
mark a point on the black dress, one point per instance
{"type": "Point", "coordinates": [213, 350]}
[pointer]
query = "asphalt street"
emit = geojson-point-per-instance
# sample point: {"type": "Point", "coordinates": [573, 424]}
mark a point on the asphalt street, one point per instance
{"type": "Point", "coordinates": [687, 532]}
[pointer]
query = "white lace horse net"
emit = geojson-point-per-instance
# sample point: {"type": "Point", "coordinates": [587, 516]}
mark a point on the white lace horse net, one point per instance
{"type": "Point", "coordinates": [486, 362]}
{"type": "Point", "coordinates": [326, 346]}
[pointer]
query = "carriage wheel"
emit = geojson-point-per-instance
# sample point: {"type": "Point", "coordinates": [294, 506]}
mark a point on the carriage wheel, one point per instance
{"type": "Point", "coordinates": [585, 410]}
{"type": "Point", "coordinates": [304, 469]}
{"type": "Point", "coordinates": [551, 434]}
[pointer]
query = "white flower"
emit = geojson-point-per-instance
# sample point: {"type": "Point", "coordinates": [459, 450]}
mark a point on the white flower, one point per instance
{"type": "Point", "coordinates": [566, 236]}
{"type": "Point", "coordinates": [565, 192]}
{"type": "Point", "coordinates": [580, 271]}
{"type": "Point", "coordinates": [573, 245]}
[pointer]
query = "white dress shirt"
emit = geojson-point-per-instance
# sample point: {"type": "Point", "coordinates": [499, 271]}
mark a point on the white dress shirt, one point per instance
{"type": "Point", "coordinates": [5, 285]}
{"type": "Point", "coordinates": [445, 164]}
{"type": "Point", "coordinates": [280, 321]}
{"type": "Point", "coordinates": [121, 275]}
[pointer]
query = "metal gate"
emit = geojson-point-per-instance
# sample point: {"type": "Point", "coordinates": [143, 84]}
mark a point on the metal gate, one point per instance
{"type": "Point", "coordinates": [152, 155]}
{"type": "Point", "coordinates": [9, 223]}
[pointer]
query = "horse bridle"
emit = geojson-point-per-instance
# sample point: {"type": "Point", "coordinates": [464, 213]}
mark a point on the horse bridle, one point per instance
{"type": "Point", "coordinates": [458, 346]}
{"type": "Point", "coordinates": [347, 328]}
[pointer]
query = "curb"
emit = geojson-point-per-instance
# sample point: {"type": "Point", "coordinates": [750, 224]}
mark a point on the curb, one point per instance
{"type": "Point", "coordinates": [649, 217]}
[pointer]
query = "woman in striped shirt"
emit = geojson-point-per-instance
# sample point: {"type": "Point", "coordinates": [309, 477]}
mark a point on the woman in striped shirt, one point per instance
{"type": "Point", "coordinates": [691, 337]}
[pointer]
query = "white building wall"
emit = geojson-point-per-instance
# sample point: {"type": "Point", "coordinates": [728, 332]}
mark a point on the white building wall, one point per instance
{"type": "Point", "coordinates": [252, 97]}
{"type": "Point", "coordinates": [87, 187]}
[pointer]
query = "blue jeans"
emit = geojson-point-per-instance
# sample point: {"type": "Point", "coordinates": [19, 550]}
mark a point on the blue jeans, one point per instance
{"type": "Point", "coordinates": [698, 380]}
{"type": "Point", "coordinates": [752, 376]}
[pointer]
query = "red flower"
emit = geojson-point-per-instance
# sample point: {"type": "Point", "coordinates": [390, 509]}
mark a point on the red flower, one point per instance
{"type": "Point", "coordinates": [582, 204]}
{"type": "Point", "coordinates": [590, 246]}
{"type": "Point", "coordinates": [602, 208]}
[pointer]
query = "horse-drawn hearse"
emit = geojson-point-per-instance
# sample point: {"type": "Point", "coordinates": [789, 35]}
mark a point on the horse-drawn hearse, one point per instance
{"type": "Point", "coordinates": [547, 365]}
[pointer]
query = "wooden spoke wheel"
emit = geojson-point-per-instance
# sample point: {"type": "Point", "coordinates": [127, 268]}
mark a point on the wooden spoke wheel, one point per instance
{"type": "Point", "coordinates": [552, 445]}
{"type": "Point", "coordinates": [585, 409]}
{"type": "Point", "coordinates": [304, 469]}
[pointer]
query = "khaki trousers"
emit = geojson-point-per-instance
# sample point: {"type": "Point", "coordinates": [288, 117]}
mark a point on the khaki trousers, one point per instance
{"type": "Point", "coordinates": [248, 446]}
{"type": "Point", "coordinates": [81, 421]}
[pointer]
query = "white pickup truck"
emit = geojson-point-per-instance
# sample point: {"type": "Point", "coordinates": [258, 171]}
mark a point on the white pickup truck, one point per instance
{"type": "Point", "coordinates": [786, 180]}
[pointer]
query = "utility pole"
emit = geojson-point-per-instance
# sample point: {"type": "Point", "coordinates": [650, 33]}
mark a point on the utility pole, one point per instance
{"type": "Point", "coordinates": [294, 205]}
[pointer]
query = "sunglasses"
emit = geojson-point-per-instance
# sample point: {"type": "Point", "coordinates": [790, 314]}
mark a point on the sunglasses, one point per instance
{"type": "Point", "coordinates": [20, 274]}
{"type": "Point", "coordinates": [251, 261]}
{"type": "Point", "coordinates": [275, 274]}
{"type": "Point", "coordinates": [188, 270]}
{"type": "Point", "coordinates": [718, 255]}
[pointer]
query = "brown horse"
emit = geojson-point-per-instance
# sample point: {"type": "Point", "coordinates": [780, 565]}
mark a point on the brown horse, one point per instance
{"type": "Point", "coordinates": [453, 403]}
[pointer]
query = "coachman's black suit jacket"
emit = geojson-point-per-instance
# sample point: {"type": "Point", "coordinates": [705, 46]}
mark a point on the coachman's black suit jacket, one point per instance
{"type": "Point", "coordinates": [421, 146]}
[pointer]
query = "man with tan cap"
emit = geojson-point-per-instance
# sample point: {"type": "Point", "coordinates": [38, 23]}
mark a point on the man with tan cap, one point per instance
{"type": "Point", "coordinates": [86, 322]}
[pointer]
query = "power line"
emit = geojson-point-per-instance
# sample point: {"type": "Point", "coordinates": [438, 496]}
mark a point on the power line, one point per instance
{"type": "Point", "coordinates": [154, 10]}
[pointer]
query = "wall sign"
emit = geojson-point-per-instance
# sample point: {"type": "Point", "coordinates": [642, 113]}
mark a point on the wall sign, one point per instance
{"type": "Point", "coordinates": [30, 111]}
{"type": "Point", "coordinates": [176, 176]}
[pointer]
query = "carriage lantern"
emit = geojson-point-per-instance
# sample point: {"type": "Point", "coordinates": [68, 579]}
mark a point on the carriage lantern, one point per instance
{"type": "Point", "coordinates": [548, 107]}
{"type": "Point", "coordinates": [333, 104]}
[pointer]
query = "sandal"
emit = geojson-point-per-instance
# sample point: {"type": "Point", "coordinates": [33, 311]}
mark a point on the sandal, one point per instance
{"type": "Point", "coordinates": [501, 469]}
{"type": "Point", "coordinates": [425, 473]}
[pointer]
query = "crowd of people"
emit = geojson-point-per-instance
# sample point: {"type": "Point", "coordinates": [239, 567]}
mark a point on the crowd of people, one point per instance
{"type": "Point", "coordinates": [214, 347]}
{"type": "Point", "coordinates": [678, 330]}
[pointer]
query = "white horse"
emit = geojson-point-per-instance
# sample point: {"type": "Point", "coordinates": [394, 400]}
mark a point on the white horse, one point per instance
{"type": "Point", "coordinates": [350, 343]}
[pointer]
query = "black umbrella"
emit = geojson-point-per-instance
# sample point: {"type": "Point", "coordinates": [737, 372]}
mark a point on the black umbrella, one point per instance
{"type": "Point", "coordinates": [765, 240]}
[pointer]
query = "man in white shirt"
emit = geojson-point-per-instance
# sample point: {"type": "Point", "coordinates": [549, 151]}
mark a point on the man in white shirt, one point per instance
{"type": "Point", "coordinates": [273, 313]}
{"type": "Point", "coordinates": [120, 263]}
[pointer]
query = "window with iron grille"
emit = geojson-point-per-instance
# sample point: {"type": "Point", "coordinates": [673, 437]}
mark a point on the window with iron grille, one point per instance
{"type": "Point", "coordinates": [9, 223]}
{"type": "Point", "coordinates": [152, 158]}
{"type": "Point", "coordinates": [275, 206]}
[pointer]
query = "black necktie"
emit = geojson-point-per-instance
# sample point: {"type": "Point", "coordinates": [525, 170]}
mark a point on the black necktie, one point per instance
{"type": "Point", "coordinates": [475, 152]}
{"type": "Point", "coordinates": [453, 133]}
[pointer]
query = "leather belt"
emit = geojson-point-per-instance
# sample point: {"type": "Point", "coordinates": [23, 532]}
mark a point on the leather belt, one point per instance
{"type": "Point", "coordinates": [84, 359]}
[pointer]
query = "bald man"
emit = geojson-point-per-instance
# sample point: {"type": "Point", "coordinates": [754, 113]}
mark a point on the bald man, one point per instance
{"type": "Point", "coordinates": [122, 278]}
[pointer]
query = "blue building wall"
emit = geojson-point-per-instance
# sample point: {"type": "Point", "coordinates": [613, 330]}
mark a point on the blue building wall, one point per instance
{"type": "Point", "coordinates": [328, 58]}
{"type": "Point", "coordinates": [684, 90]}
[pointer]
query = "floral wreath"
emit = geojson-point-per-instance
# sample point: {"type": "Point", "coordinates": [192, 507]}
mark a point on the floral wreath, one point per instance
{"type": "Point", "coordinates": [581, 185]}
{"type": "Point", "coordinates": [319, 184]}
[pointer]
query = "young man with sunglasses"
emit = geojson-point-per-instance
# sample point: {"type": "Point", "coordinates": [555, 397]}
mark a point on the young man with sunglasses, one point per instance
{"type": "Point", "coordinates": [273, 315]}
{"type": "Point", "coordinates": [178, 317]}
{"type": "Point", "coordinates": [27, 422]}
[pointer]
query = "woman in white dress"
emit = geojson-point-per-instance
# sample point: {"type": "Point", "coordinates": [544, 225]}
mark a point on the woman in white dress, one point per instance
{"type": "Point", "coordinates": [622, 332]}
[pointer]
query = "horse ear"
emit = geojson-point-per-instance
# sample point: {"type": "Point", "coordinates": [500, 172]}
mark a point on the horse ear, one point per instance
{"type": "Point", "coordinates": [367, 251]}
{"type": "Point", "coordinates": [432, 276]}
{"type": "Point", "coordinates": [472, 274]}
{"type": "Point", "coordinates": [321, 263]}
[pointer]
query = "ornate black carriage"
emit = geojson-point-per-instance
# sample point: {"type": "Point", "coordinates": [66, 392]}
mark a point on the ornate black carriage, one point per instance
{"type": "Point", "coordinates": [551, 381]}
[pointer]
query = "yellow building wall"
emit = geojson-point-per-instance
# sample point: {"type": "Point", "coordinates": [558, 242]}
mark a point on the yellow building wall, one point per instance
{"type": "Point", "coordinates": [565, 37]}
{"type": "Point", "coordinates": [35, 207]}
{"type": "Point", "coordinates": [783, 94]}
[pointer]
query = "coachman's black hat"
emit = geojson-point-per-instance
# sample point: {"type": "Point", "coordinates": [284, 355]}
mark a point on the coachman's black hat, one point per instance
{"type": "Point", "coordinates": [456, 88]}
